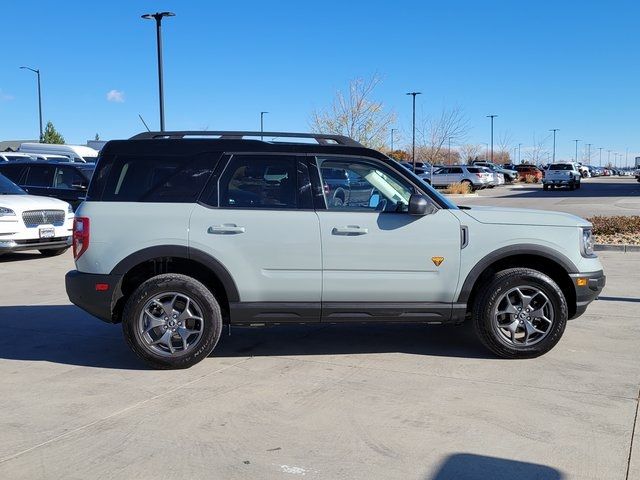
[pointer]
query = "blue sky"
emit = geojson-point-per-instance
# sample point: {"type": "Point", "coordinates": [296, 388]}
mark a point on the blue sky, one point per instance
{"type": "Point", "coordinates": [538, 65]}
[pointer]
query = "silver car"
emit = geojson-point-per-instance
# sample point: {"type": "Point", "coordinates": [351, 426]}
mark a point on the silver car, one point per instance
{"type": "Point", "coordinates": [495, 178]}
{"type": "Point", "coordinates": [476, 177]}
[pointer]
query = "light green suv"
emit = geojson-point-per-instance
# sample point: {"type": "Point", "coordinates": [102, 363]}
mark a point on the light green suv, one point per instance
{"type": "Point", "coordinates": [184, 232]}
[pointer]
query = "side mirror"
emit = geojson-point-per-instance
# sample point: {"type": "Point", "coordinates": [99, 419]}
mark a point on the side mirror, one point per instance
{"type": "Point", "coordinates": [419, 205]}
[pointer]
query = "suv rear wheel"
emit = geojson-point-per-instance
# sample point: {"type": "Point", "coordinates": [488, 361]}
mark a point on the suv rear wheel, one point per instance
{"type": "Point", "coordinates": [521, 313]}
{"type": "Point", "coordinates": [172, 321]}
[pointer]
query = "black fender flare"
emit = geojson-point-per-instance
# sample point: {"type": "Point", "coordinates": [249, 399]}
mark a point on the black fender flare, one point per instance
{"type": "Point", "coordinates": [181, 251]}
{"type": "Point", "coordinates": [509, 251]}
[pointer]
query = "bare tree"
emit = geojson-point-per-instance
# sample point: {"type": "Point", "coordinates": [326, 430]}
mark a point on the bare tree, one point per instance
{"type": "Point", "coordinates": [356, 115]}
{"type": "Point", "coordinates": [434, 133]}
{"type": "Point", "coordinates": [470, 152]}
{"type": "Point", "coordinates": [505, 139]}
{"type": "Point", "coordinates": [538, 152]}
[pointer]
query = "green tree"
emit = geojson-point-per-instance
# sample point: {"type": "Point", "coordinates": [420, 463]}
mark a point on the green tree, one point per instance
{"type": "Point", "coordinates": [51, 135]}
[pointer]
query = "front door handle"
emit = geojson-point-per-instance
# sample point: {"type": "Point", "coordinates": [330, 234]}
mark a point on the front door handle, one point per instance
{"type": "Point", "coordinates": [350, 230]}
{"type": "Point", "coordinates": [225, 229]}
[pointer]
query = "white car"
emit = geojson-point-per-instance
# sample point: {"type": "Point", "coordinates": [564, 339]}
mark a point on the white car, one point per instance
{"type": "Point", "coordinates": [28, 222]}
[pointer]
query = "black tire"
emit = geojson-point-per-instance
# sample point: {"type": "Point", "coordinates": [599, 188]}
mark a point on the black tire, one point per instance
{"type": "Point", "coordinates": [52, 252]}
{"type": "Point", "coordinates": [486, 303]}
{"type": "Point", "coordinates": [578, 185]}
{"type": "Point", "coordinates": [469, 185]}
{"type": "Point", "coordinates": [572, 186]}
{"type": "Point", "coordinates": [172, 282]}
{"type": "Point", "coordinates": [545, 187]}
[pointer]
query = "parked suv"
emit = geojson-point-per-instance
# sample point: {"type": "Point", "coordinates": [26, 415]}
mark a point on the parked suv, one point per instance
{"type": "Point", "coordinates": [62, 180]}
{"type": "Point", "coordinates": [474, 177]}
{"type": "Point", "coordinates": [509, 174]}
{"type": "Point", "coordinates": [181, 234]}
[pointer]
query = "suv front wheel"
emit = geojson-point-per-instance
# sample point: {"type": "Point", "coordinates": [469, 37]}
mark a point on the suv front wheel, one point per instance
{"type": "Point", "coordinates": [172, 321]}
{"type": "Point", "coordinates": [521, 313]}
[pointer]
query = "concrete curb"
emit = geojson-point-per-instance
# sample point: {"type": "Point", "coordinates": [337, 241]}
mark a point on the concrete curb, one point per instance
{"type": "Point", "coordinates": [461, 195]}
{"type": "Point", "coordinates": [603, 247]}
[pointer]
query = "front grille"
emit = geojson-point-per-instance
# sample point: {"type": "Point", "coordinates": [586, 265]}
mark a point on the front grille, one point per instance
{"type": "Point", "coordinates": [33, 218]}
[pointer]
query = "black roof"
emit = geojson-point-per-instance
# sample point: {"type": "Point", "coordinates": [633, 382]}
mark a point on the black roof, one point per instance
{"type": "Point", "coordinates": [194, 142]}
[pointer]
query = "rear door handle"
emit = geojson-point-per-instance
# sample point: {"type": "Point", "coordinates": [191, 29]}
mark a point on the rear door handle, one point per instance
{"type": "Point", "coordinates": [349, 230]}
{"type": "Point", "coordinates": [225, 229]}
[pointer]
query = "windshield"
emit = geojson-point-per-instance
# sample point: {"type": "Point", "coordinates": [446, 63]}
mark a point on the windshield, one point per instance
{"type": "Point", "coordinates": [561, 166]}
{"type": "Point", "coordinates": [7, 187]}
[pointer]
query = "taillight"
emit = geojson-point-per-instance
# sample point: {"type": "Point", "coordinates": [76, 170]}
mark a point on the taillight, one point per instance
{"type": "Point", "coordinates": [80, 236]}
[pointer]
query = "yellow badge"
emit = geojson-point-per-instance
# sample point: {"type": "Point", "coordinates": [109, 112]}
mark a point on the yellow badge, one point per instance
{"type": "Point", "coordinates": [437, 260]}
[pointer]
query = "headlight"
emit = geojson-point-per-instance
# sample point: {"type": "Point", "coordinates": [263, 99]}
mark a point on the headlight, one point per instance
{"type": "Point", "coordinates": [7, 212]}
{"type": "Point", "coordinates": [586, 246]}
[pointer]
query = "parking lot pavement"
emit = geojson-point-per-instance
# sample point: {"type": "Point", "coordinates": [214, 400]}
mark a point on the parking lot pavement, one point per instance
{"type": "Point", "coordinates": [331, 402]}
{"type": "Point", "coordinates": [597, 196]}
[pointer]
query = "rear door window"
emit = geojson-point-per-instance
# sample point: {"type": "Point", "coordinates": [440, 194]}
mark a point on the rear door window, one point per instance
{"type": "Point", "coordinates": [40, 176]}
{"type": "Point", "coordinates": [265, 181]}
{"type": "Point", "coordinates": [154, 178]}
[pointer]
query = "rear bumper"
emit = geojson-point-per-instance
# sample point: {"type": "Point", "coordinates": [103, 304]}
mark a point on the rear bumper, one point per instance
{"type": "Point", "coordinates": [35, 244]}
{"type": "Point", "coordinates": [81, 290]}
{"type": "Point", "coordinates": [585, 294]}
{"type": "Point", "coordinates": [564, 181]}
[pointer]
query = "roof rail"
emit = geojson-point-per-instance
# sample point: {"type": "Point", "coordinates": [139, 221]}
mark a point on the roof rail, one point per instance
{"type": "Point", "coordinates": [321, 138]}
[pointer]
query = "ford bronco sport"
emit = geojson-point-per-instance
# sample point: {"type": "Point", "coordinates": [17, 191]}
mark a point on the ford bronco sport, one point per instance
{"type": "Point", "coordinates": [184, 232]}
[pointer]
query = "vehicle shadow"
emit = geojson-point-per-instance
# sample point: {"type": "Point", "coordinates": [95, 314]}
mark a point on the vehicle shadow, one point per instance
{"type": "Point", "coordinates": [65, 334]}
{"type": "Point", "coordinates": [588, 190]}
{"type": "Point", "coordinates": [20, 256]}
{"type": "Point", "coordinates": [467, 466]}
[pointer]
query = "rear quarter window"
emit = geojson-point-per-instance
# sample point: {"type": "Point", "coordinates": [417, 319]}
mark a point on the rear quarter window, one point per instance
{"type": "Point", "coordinates": [13, 172]}
{"type": "Point", "coordinates": [151, 178]}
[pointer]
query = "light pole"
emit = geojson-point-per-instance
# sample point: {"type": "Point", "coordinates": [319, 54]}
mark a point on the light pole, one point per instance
{"type": "Point", "coordinates": [577, 140]}
{"type": "Point", "coordinates": [626, 157]}
{"type": "Point", "coordinates": [600, 161]}
{"type": "Point", "coordinates": [608, 158]}
{"type": "Point", "coordinates": [554, 130]}
{"type": "Point", "coordinates": [413, 138]}
{"type": "Point", "coordinates": [392, 130]}
{"type": "Point", "coordinates": [492, 117]}
{"type": "Point", "coordinates": [158, 16]}
{"type": "Point", "coordinates": [262, 124]}
{"type": "Point", "coordinates": [589, 152]}
{"type": "Point", "coordinates": [37, 72]}
{"type": "Point", "coordinates": [519, 145]}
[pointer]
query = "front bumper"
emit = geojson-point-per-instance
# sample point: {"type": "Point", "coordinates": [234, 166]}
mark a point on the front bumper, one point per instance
{"type": "Point", "coordinates": [54, 243]}
{"type": "Point", "coordinates": [588, 286]}
{"type": "Point", "coordinates": [82, 291]}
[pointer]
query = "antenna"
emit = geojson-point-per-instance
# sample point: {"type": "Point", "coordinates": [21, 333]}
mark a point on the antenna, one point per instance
{"type": "Point", "coordinates": [145, 123]}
